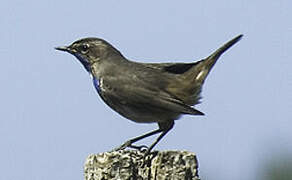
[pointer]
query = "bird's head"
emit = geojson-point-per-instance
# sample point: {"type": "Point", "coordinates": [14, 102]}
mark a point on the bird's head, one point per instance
{"type": "Point", "coordinates": [90, 50]}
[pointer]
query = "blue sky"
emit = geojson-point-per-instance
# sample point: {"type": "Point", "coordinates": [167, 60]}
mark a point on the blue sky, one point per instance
{"type": "Point", "coordinates": [51, 117]}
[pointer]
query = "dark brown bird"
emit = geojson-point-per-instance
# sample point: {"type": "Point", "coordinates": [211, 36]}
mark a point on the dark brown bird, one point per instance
{"type": "Point", "coordinates": [144, 92]}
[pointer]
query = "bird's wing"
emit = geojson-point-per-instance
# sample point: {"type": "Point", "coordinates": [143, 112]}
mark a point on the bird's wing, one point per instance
{"type": "Point", "coordinates": [181, 87]}
{"type": "Point", "coordinates": [134, 91]}
{"type": "Point", "coordinates": [174, 68]}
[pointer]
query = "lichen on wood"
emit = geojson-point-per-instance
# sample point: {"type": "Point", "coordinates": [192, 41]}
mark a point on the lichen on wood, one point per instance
{"type": "Point", "coordinates": [133, 165]}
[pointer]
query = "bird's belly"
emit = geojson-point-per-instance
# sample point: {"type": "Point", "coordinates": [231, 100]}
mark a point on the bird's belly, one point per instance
{"type": "Point", "coordinates": [137, 112]}
{"type": "Point", "coordinates": [142, 114]}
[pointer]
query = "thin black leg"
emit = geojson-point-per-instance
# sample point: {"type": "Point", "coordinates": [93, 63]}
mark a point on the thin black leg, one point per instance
{"type": "Point", "coordinates": [164, 128]}
{"type": "Point", "coordinates": [131, 141]}
{"type": "Point", "coordinates": [157, 140]}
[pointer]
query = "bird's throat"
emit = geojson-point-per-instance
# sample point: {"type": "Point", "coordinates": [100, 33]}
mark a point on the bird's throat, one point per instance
{"type": "Point", "coordinates": [83, 61]}
{"type": "Point", "coordinates": [96, 84]}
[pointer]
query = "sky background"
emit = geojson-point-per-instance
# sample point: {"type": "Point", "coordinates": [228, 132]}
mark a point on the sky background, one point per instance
{"type": "Point", "coordinates": [51, 118]}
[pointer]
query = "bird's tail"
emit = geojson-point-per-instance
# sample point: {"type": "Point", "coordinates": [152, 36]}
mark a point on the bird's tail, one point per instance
{"type": "Point", "coordinates": [195, 77]}
{"type": "Point", "coordinates": [188, 90]}
{"type": "Point", "coordinates": [202, 69]}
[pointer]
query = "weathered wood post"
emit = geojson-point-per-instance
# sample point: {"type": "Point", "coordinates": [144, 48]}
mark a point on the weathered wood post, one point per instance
{"type": "Point", "coordinates": [132, 165]}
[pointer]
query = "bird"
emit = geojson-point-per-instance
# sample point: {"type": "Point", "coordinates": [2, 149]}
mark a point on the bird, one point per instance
{"type": "Point", "coordinates": [144, 92]}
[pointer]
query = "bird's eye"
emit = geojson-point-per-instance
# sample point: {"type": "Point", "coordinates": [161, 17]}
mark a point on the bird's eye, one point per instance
{"type": "Point", "coordinates": [84, 48]}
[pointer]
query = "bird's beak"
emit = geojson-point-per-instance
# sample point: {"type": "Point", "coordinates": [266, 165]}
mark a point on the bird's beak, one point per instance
{"type": "Point", "coordinates": [63, 48]}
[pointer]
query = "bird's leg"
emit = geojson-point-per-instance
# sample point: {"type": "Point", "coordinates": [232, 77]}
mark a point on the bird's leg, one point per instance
{"type": "Point", "coordinates": [131, 141]}
{"type": "Point", "coordinates": [165, 127]}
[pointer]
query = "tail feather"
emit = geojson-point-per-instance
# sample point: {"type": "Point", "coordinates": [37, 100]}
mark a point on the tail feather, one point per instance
{"type": "Point", "coordinates": [204, 67]}
{"type": "Point", "coordinates": [214, 56]}
{"type": "Point", "coordinates": [190, 88]}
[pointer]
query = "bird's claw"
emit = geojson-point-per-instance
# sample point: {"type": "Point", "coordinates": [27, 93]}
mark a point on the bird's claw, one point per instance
{"type": "Point", "coordinates": [127, 144]}
{"type": "Point", "coordinates": [141, 148]}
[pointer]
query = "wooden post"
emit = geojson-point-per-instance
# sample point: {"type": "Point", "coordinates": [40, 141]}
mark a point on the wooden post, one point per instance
{"type": "Point", "coordinates": [132, 165]}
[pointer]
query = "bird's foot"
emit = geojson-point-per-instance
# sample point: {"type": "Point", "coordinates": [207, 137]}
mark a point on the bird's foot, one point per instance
{"type": "Point", "coordinates": [148, 155]}
{"type": "Point", "coordinates": [141, 148]}
{"type": "Point", "coordinates": [129, 144]}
